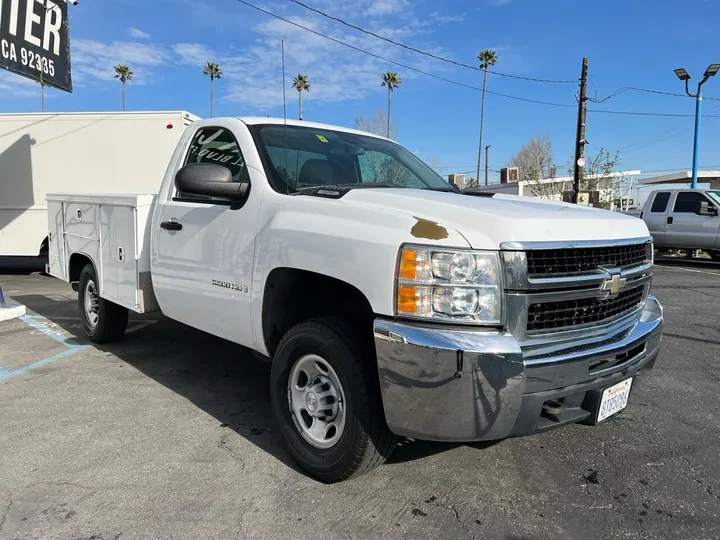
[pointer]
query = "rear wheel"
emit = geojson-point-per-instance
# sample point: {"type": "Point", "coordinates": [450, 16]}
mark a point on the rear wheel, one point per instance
{"type": "Point", "coordinates": [103, 320]}
{"type": "Point", "coordinates": [326, 399]}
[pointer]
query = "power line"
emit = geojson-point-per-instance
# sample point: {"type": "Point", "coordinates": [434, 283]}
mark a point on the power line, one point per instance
{"type": "Point", "coordinates": [679, 129]}
{"type": "Point", "coordinates": [416, 70]}
{"type": "Point", "coordinates": [646, 90]}
{"type": "Point", "coordinates": [445, 79]}
{"type": "Point", "coordinates": [425, 53]}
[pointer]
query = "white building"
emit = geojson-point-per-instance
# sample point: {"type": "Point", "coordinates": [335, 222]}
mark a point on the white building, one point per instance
{"type": "Point", "coordinates": [603, 190]}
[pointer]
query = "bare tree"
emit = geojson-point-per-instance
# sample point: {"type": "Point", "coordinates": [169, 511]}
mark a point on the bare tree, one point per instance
{"type": "Point", "coordinates": [376, 166]}
{"type": "Point", "coordinates": [534, 161]}
{"type": "Point", "coordinates": [377, 125]}
{"type": "Point", "coordinates": [599, 167]}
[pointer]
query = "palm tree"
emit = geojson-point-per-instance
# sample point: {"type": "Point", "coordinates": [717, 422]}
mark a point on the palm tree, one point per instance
{"type": "Point", "coordinates": [213, 70]}
{"type": "Point", "coordinates": [487, 58]}
{"type": "Point", "coordinates": [392, 81]}
{"type": "Point", "coordinates": [125, 74]}
{"type": "Point", "coordinates": [300, 83]}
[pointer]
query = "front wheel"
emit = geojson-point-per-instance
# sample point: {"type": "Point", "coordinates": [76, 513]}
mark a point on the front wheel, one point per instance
{"type": "Point", "coordinates": [326, 399]}
{"type": "Point", "coordinates": [104, 321]}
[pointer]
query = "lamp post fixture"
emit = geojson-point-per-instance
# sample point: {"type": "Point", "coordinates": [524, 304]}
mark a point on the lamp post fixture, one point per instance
{"type": "Point", "coordinates": [683, 75]}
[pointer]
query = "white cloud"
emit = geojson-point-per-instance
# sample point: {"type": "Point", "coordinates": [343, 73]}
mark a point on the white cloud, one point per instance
{"type": "Point", "coordinates": [95, 60]}
{"type": "Point", "coordinates": [442, 19]}
{"type": "Point", "coordinates": [194, 53]}
{"type": "Point", "coordinates": [138, 34]}
{"type": "Point", "coordinates": [253, 76]}
{"type": "Point", "coordinates": [387, 7]}
{"type": "Point", "coordinates": [13, 85]}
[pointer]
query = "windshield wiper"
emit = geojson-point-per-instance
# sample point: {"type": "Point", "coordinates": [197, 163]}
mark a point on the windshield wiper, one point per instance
{"type": "Point", "coordinates": [448, 189]}
{"type": "Point", "coordinates": [335, 191]}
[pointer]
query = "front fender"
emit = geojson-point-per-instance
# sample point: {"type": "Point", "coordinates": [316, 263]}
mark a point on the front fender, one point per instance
{"type": "Point", "coordinates": [355, 244]}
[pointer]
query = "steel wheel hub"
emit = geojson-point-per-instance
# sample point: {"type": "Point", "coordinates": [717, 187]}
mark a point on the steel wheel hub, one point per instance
{"type": "Point", "coordinates": [91, 303]}
{"type": "Point", "coordinates": [316, 401]}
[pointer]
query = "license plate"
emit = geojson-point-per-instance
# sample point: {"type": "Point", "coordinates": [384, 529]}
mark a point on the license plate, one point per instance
{"type": "Point", "coordinates": [614, 399]}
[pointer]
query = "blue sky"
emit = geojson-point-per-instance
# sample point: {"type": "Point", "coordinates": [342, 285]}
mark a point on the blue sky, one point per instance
{"type": "Point", "coordinates": [628, 43]}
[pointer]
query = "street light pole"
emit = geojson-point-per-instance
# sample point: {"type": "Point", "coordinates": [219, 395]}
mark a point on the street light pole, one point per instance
{"type": "Point", "coordinates": [696, 139]}
{"type": "Point", "coordinates": [683, 75]}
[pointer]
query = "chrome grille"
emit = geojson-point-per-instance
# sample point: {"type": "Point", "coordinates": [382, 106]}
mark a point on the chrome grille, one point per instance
{"type": "Point", "coordinates": [564, 314]}
{"type": "Point", "coordinates": [569, 304]}
{"type": "Point", "coordinates": [568, 261]}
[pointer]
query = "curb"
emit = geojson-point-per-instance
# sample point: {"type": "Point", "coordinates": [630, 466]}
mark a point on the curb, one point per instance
{"type": "Point", "coordinates": [11, 311]}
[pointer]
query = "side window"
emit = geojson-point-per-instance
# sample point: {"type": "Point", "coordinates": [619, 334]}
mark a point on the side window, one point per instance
{"type": "Point", "coordinates": [660, 202]}
{"type": "Point", "coordinates": [216, 145]}
{"type": "Point", "coordinates": [687, 202]}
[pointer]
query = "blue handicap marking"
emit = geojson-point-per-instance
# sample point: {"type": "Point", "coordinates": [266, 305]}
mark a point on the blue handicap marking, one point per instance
{"type": "Point", "coordinates": [43, 325]}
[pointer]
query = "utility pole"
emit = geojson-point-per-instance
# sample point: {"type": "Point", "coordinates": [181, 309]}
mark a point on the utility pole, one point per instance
{"type": "Point", "coordinates": [580, 140]}
{"type": "Point", "coordinates": [487, 160]}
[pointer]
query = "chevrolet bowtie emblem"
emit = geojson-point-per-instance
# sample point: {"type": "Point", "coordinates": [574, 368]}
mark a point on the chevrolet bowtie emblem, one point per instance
{"type": "Point", "coordinates": [614, 285]}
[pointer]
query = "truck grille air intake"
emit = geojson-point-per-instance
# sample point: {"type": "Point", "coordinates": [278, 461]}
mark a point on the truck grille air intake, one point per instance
{"type": "Point", "coordinates": [568, 261]}
{"type": "Point", "coordinates": [569, 313]}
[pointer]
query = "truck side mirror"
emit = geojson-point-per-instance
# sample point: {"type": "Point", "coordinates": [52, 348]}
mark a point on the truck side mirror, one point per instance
{"type": "Point", "coordinates": [210, 179]}
{"type": "Point", "coordinates": [706, 209]}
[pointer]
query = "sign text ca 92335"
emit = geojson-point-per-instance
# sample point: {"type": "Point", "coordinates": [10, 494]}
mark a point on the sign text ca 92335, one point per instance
{"type": "Point", "coordinates": [35, 40]}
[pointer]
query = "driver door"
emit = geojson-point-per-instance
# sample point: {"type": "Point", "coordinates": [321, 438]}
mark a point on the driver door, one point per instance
{"type": "Point", "coordinates": [203, 265]}
{"type": "Point", "coordinates": [686, 228]}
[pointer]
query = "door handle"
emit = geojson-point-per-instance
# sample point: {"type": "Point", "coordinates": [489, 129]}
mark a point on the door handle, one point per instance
{"type": "Point", "coordinates": [670, 220]}
{"type": "Point", "coordinates": [171, 225]}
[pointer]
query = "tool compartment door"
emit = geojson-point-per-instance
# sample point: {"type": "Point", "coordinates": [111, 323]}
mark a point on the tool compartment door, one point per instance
{"type": "Point", "coordinates": [118, 227]}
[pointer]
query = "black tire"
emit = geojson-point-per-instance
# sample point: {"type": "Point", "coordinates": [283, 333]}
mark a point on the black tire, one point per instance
{"type": "Point", "coordinates": [366, 441]}
{"type": "Point", "coordinates": [715, 255]}
{"type": "Point", "coordinates": [112, 318]}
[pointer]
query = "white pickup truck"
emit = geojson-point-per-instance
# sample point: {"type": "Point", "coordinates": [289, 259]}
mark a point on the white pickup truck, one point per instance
{"type": "Point", "coordinates": [389, 303]}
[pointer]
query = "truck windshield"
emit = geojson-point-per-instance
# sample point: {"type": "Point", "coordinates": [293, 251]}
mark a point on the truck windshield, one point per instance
{"type": "Point", "coordinates": [299, 157]}
{"type": "Point", "coordinates": [715, 196]}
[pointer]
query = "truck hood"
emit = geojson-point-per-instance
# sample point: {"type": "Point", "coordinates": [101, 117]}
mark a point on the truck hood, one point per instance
{"type": "Point", "coordinates": [486, 222]}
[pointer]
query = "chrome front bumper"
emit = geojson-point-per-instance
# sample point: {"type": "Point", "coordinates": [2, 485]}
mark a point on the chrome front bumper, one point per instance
{"type": "Point", "coordinates": [447, 384]}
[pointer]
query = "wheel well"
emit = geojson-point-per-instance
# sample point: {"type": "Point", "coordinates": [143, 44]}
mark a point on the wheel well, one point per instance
{"type": "Point", "coordinates": [44, 247]}
{"type": "Point", "coordinates": [77, 263]}
{"type": "Point", "coordinates": [292, 296]}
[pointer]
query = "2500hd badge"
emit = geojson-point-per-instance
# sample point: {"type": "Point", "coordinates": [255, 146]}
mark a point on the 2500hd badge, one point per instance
{"type": "Point", "coordinates": [231, 286]}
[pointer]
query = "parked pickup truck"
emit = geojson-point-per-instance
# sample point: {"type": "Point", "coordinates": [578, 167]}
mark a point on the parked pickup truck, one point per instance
{"type": "Point", "coordinates": [684, 219]}
{"type": "Point", "coordinates": [389, 303]}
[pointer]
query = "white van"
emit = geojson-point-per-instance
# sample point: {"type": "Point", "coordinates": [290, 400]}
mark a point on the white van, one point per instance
{"type": "Point", "coordinates": [109, 152]}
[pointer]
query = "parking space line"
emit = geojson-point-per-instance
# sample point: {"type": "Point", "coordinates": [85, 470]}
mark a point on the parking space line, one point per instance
{"type": "Point", "coordinates": [41, 324]}
{"type": "Point", "coordinates": [4, 374]}
{"type": "Point", "coordinates": [136, 325]}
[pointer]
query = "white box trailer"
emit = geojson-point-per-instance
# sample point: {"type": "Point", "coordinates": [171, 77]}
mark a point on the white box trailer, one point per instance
{"type": "Point", "coordinates": [99, 152]}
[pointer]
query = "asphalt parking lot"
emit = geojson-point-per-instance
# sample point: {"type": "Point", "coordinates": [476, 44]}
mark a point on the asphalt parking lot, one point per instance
{"type": "Point", "coordinates": [168, 434]}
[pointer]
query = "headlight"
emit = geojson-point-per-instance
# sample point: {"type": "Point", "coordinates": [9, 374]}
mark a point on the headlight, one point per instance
{"type": "Point", "coordinates": [449, 285]}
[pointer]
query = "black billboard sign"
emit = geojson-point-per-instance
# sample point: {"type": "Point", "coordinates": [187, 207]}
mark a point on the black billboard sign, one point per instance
{"type": "Point", "coordinates": [35, 40]}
